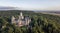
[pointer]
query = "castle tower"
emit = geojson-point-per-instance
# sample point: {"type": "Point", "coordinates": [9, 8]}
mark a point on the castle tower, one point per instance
{"type": "Point", "coordinates": [21, 16]}
{"type": "Point", "coordinates": [20, 19]}
{"type": "Point", "coordinates": [13, 19]}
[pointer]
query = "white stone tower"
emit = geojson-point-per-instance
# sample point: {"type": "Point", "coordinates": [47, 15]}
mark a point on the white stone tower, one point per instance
{"type": "Point", "coordinates": [21, 16]}
{"type": "Point", "coordinates": [20, 19]}
{"type": "Point", "coordinates": [13, 19]}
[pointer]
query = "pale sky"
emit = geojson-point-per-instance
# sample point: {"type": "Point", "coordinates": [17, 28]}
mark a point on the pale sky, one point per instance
{"type": "Point", "coordinates": [32, 4]}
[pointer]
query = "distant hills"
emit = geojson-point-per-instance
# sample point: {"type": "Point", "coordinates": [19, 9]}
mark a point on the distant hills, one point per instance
{"type": "Point", "coordinates": [8, 8]}
{"type": "Point", "coordinates": [4, 8]}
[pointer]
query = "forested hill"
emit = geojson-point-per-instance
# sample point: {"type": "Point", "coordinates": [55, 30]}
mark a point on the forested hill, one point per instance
{"type": "Point", "coordinates": [40, 23]}
{"type": "Point", "coordinates": [13, 12]}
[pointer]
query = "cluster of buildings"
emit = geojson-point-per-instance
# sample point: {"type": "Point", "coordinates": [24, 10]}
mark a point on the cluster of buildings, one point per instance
{"type": "Point", "coordinates": [21, 21]}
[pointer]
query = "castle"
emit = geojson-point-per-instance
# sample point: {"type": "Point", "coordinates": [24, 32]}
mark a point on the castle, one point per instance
{"type": "Point", "coordinates": [21, 21]}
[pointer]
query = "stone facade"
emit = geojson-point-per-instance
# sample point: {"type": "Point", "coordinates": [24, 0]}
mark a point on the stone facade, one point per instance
{"type": "Point", "coordinates": [21, 21]}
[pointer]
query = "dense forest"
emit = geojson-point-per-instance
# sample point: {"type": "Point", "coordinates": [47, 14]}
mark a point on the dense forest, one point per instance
{"type": "Point", "coordinates": [40, 23]}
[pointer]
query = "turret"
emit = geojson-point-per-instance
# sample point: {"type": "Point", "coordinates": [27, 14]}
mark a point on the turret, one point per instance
{"type": "Point", "coordinates": [21, 16]}
{"type": "Point", "coordinates": [13, 19]}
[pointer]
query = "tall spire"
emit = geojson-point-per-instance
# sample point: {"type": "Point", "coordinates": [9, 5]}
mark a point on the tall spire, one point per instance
{"type": "Point", "coordinates": [21, 14]}
{"type": "Point", "coordinates": [13, 19]}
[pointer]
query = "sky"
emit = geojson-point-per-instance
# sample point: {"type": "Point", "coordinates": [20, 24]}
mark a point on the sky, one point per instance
{"type": "Point", "coordinates": [32, 4]}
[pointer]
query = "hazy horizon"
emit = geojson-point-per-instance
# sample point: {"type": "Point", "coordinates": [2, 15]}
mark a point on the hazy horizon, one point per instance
{"type": "Point", "coordinates": [32, 4]}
